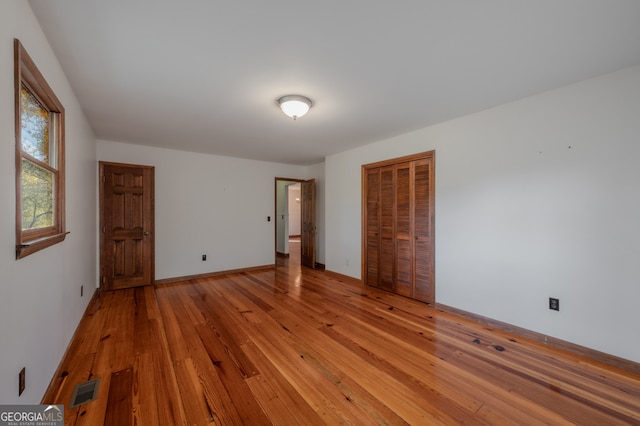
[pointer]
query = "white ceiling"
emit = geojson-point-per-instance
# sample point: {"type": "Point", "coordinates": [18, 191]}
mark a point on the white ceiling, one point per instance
{"type": "Point", "coordinates": [203, 75]}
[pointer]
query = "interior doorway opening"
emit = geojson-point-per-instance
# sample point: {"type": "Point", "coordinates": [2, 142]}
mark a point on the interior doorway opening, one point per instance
{"type": "Point", "coordinates": [292, 223]}
{"type": "Point", "coordinates": [295, 221]}
{"type": "Point", "coordinates": [288, 222]}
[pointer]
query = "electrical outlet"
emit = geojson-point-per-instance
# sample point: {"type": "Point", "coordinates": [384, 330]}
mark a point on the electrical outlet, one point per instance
{"type": "Point", "coordinates": [22, 380]}
{"type": "Point", "coordinates": [204, 257]}
{"type": "Point", "coordinates": [554, 304]}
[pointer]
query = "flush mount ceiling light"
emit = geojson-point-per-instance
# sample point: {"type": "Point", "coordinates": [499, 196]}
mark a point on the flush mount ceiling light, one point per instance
{"type": "Point", "coordinates": [294, 106]}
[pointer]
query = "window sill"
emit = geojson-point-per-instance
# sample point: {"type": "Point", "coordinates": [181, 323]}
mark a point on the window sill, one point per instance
{"type": "Point", "coordinates": [30, 247]}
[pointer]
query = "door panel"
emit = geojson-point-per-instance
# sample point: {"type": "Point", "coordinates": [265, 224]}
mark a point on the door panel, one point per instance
{"type": "Point", "coordinates": [403, 258]}
{"type": "Point", "coordinates": [424, 287]}
{"type": "Point", "coordinates": [387, 229]}
{"type": "Point", "coordinates": [126, 219]}
{"type": "Point", "coordinates": [372, 228]}
{"type": "Point", "coordinates": [308, 230]}
{"type": "Point", "coordinates": [404, 283]}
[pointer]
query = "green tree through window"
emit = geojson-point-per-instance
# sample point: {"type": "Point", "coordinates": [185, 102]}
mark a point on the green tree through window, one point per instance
{"type": "Point", "coordinates": [36, 179]}
{"type": "Point", "coordinates": [37, 196]}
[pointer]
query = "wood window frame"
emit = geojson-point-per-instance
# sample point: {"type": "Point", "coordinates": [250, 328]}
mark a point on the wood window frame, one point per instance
{"type": "Point", "coordinates": [26, 72]}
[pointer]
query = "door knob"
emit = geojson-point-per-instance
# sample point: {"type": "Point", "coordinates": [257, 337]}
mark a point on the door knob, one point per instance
{"type": "Point", "coordinates": [147, 233]}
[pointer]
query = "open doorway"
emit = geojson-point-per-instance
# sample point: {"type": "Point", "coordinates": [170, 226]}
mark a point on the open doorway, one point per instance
{"type": "Point", "coordinates": [295, 222]}
{"type": "Point", "coordinates": [288, 219]}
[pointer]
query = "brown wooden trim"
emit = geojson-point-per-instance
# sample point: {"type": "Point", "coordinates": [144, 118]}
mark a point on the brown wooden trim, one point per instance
{"type": "Point", "coordinates": [17, 79]}
{"type": "Point", "coordinates": [212, 274]}
{"type": "Point", "coordinates": [363, 225]}
{"type": "Point", "coordinates": [30, 247]}
{"type": "Point", "coordinates": [32, 75]}
{"type": "Point", "coordinates": [341, 277]}
{"type": "Point", "coordinates": [289, 179]}
{"type": "Point", "coordinates": [26, 71]}
{"type": "Point", "coordinates": [282, 254]}
{"type": "Point", "coordinates": [554, 342]}
{"type": "Point", "coordinates": [405, 159]}
{"type": "Point", "coordinates": [320, 266]}
{"type": "Point", "coordinates": [605, 358]}
{"type": "Point", "coordinates": [141, 166]}
{"type": "Point", "coordinates": [59, 377]}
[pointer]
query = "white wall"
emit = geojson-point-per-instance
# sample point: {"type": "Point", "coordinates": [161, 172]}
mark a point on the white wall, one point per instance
{"type": "Point", "coordinates": [208, 204]}
{"type": "Point", "coordinates": [295, 208]}
{"type": "Point", "coordinates": [534, 199]}
{"type": "Point", "coordinates": [40, 303]}
{"type": "Point", "coordinates": [282, 224]}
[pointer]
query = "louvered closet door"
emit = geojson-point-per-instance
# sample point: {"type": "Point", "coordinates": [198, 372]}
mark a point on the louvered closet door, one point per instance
{"type": "Point", "coordinates": [403, 258]}
{"type": "Point", "coordinates": [398, 217]}
{"type": "Point", "coordinates": [387, 228]}
{"type": "Point", "coordinates": [423, 231]}
{"type": "Point", "coordinates": [372, 224]}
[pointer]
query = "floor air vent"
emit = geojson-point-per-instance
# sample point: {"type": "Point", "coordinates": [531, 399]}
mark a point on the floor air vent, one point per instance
{"type": "Point", "coordinates": [85, 392]}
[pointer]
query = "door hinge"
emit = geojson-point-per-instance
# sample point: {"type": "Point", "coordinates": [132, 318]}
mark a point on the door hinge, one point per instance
{"type": "Point", "coordinates": [103, 280]}
{"type": "Point", "coordinates": [104, 229]}
{"type": "Point", "coordinates": [104, 179]}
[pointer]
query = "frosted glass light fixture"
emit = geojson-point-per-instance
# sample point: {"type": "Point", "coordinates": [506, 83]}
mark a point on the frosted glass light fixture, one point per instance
{"type": "Point", "coordinates": [294, 106]}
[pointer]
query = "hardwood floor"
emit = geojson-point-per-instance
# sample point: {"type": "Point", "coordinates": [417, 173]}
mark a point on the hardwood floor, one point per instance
{"type": "Point", "coordinates": [289, 346]}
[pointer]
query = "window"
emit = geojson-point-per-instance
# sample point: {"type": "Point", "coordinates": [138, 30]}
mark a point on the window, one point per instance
{"type": "Point", "coordinates": [40, 215]}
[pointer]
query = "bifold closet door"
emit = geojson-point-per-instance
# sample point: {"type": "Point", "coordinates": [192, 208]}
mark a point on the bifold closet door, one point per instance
{"type": "Point", "coordinates": [387, 229]}
{"type": "Point", "coordinates": [371, 220]}
{"type": "Point", "coordinates": [423, 231]}
{"type": "Point", "coordinates": [398, 219]}
{"type": "Point", "coordinates": [403, 258]}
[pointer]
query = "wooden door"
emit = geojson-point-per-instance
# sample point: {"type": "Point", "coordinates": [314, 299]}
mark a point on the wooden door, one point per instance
{"type": "Point", "coordinates": [126, 225]}
{"type": "Point", "coordinates": [387, 229]}
{"type": "Point", "coordinates": [423, 232]}
{"type": "Point", "coordinates": [404, 250]}
{"type": "Point", "coordinates": [308, 228]}
{"type": "Point", "coordinates": [397, 220]}
{"type": "Point", "coordinates": [371, 223]}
